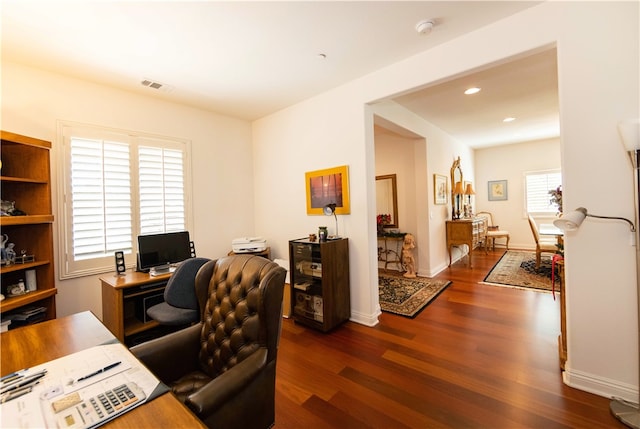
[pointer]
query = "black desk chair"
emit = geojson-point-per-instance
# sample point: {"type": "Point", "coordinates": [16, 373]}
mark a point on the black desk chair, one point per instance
{"type": "Point", "coordinates": [180, 306]}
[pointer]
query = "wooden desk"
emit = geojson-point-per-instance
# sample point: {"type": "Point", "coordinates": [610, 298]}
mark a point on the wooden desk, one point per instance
{"type": "Point", "coordinates": [124, 302]}
{"type": "Point", "coordinates": [40, 343]}
{"type": "Point", "coordinates": [472, 232]}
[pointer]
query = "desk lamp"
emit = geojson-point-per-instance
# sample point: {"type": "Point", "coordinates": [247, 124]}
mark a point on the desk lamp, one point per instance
{"type": "Point", "coordinates": [572, 220]}
{"type": "Point", "coordinates": [330, 209]}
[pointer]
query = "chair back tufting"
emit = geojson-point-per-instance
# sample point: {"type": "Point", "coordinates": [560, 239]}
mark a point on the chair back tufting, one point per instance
{"type": "Point", "coordinates": [241, 298]}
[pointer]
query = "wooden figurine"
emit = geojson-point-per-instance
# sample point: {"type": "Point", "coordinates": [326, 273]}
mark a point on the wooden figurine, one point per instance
{"type": "Point", "coordinates": [408, 260]}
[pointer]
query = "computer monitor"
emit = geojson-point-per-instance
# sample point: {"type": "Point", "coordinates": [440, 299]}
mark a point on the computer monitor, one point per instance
{"type": "Point", "coordinates": [159, 251]}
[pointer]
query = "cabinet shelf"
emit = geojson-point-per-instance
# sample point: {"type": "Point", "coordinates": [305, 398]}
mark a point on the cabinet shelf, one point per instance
{"type": "Point", "coordinates": [25, 220]}
{"type": "Point", "coordinates": [16, 302]}
{"type": "Point", "coordinates": [20, 267]}
{"type": "Point", "coordinates": [134, 326]}
{"type": "Point", "coordinates": [23, 180]}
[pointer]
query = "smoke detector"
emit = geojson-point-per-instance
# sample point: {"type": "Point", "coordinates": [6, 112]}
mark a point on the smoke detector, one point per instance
{"type": "Point", "coordinates": [425, 26]}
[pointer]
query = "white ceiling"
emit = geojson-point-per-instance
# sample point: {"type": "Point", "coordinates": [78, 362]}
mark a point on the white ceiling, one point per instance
{"type": "Point", "coordinates": [250, 59]}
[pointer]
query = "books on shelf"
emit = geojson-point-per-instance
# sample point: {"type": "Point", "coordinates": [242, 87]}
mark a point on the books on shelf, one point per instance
{"type": "Point", "coordinates": [27, 315]}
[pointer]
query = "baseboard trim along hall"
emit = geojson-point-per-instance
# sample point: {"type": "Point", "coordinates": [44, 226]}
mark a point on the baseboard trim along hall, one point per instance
{"type": "Point", "coordinates": [600, 386]}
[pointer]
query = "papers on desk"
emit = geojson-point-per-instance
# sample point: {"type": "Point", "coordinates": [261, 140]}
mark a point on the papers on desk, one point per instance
{"type": "Point", "coordinates": [81, 375]}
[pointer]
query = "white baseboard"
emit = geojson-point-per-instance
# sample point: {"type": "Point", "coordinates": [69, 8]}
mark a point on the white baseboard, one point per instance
{"type": "Point", "coordinates": [365, 319]}
{"type": "Point", "coordinates": [600, 386]}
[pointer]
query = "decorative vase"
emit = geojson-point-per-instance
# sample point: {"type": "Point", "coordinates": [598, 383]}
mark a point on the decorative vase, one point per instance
{"type": "Point", "coordinates": [322, 233]}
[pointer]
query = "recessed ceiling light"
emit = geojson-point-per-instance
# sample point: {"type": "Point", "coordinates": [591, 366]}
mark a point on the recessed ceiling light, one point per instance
{"type": "Point", "coordinates": [472, 90]}
{"type": "Point", "coordinates": [509, 119]}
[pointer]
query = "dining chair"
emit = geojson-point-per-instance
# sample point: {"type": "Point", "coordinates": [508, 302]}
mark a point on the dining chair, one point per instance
{"type": "Point", "coordinates": [493, 232]}
{"type": "Point", "coordinates": [546, 245]}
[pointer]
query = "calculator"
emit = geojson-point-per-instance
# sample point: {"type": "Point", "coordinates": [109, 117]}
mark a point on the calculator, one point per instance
{"type": "Point", "coordinates": [74, 411]}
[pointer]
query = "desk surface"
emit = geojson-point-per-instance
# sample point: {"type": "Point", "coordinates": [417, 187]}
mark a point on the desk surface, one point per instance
{"type": "Point", "coordinates": [36, 344]}
{"type": "Point", "coordinates": [132, 279]}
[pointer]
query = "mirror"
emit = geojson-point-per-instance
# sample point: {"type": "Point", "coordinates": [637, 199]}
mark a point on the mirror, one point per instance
{"type": "Point", "coordinates": [456, 189]}
{"type": "Point", "coordinates": [386, 198]}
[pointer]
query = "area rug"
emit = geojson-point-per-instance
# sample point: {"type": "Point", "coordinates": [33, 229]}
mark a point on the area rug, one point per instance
{"type": "Point", "coordinates": [407, 297]}
{"type": "Point", "coordinates": [518, 269]}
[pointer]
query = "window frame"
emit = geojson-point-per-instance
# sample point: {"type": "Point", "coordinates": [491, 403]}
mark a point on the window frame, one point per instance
{"type": "Point", "coordinates": [542, 214]}
{"type": "Point", "coordinates": [67, 267]}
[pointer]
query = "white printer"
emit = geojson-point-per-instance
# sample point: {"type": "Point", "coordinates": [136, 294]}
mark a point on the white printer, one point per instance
{"type": "Point", "coordinates": [248, 244]}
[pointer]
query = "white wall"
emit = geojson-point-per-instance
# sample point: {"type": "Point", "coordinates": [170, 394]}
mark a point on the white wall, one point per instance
{"type": "Point", "coordinates": [397, 155]}
{"type": "Point", "coordinates": [439, 152]}
{"type": "Point", "coordinates": [598, 86]}
{"type": "Point", "coordinates": [509, 163]}
{"type": "Point", "coordinates": [223, 203]}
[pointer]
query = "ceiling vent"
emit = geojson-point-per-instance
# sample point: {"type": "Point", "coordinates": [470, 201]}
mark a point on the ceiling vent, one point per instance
{"type": "Point", "coordinates": [156, 85]}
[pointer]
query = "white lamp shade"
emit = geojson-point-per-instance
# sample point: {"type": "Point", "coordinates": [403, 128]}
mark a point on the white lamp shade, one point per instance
{"type": "Point", "coordinates": [572, 220]}
{"type": "Point", "coordinates": [629, 131]}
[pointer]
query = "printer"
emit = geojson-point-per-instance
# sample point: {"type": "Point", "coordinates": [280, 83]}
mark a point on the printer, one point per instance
{"type": "Point", "coordinates": [248, 244]}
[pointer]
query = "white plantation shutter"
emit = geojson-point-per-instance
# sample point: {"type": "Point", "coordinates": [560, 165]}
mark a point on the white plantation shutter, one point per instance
{"type": "Point", "coordinates": [161, 190]}
{"type": "Point", "coordinates": [100, 198]}
{"type": "Point", "coordinates": [538, 185]}
{"type": "Point", "coordinates": [116, 186]}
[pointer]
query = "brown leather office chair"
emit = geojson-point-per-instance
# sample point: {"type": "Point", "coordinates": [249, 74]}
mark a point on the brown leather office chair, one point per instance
{"type": "Point", "coordinates": [493, 232]}
{"type": "Point", "coordinates": [542, 246]}
{"type": "Point", "coordinates": [224, 368]}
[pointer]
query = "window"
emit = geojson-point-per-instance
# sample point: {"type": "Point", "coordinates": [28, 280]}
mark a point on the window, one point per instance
{"type": "Point", "coordinates": [537, 187]}
{"type": "Point", "coordinates": [115, 186]}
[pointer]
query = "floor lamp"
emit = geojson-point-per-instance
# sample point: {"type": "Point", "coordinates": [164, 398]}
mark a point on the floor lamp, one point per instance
{"type": "Point", "coordinates": [627, 413]}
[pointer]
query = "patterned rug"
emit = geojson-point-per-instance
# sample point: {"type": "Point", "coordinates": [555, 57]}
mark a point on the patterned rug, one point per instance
{"type": "Point", "coordinates": [407, 297]}
{"type": "Point", "coordinates": [518, 269]}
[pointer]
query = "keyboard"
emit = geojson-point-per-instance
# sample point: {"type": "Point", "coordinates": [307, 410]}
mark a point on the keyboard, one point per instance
{"type": "Point", "coordinates": [74, 411]}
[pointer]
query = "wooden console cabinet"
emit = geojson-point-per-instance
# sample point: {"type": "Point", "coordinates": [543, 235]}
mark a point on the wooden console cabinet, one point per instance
{"type": "Point", "coordinates": [472, 232]}
{"type": "Point", "coordinates": [26, 179]}
{"type": "Point", "coordinates": [319, 278]}
{"type": "Point", "coordinates": [125, 299]}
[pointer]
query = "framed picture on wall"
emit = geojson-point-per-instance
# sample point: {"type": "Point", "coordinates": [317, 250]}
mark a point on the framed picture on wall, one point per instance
{"type": "Point", "coordinates": [497, 190]}
{"type": "Point", "coordinates": [440, 189]}
{"type": "Point", "coordinates": [329, 186]}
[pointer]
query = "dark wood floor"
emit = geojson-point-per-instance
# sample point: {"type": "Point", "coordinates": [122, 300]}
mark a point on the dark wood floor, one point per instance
{"type": "Point", "coordinates": [477, 357]}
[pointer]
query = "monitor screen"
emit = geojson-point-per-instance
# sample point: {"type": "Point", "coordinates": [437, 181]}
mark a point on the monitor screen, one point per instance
{"type": "Point", "coordinates": [162, 249]}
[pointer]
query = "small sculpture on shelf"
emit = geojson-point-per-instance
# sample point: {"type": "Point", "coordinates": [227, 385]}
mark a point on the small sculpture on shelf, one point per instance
{"type": "Point", "coordinates": [7, 254]}
{"type": "Point", "coordinates": [10, 254]}
{"type": "Point", "coordinates": [408, 261]}
{"type": "Point", "coordinates": [8, 208]}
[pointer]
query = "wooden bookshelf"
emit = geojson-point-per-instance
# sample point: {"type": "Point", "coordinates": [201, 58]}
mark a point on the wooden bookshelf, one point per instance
{"type": "Point", "coordinates": [25, 178]}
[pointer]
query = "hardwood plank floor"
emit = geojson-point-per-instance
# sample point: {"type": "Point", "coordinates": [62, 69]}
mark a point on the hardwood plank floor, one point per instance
{"type": "Point", "coordinates": [477, 357]}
